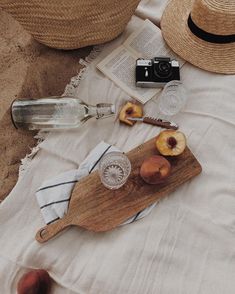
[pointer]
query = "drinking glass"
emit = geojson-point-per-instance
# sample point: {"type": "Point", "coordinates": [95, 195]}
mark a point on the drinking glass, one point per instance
{"type": "Point", "coordinates": [114, 170]}
{"type": "Point", "coordinates": [172, 98]}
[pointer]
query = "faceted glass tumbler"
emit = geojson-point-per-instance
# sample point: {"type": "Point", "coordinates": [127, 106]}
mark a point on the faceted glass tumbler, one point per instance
{"type": "Point", "coordinates": [172, 98]}
{"type": "Point", "coordinates": [114, 170]}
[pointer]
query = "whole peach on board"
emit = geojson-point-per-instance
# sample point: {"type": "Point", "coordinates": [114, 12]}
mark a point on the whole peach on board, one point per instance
{"type": "Point", "coordinates": [35, 282]}
{"type": "Point", "coordinates": [171, 143]}
{"type": "Point", "coordinates": [130, 109]}
{"type": "Point", "coordinates": [155, 169]}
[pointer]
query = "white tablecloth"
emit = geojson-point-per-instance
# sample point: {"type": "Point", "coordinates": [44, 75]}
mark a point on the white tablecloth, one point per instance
{"type": "Point", "coordinates": [186, 245]}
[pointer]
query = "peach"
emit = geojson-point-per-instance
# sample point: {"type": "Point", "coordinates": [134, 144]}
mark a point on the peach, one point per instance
{"type": "Point", "coordinates": [155, 169]}
{"type": "Point", "coordinates": [130, 109]}
{"type": "Point", "coordinates": [171, 143]}
{"type": "Point", "coordinates": [35, 282]}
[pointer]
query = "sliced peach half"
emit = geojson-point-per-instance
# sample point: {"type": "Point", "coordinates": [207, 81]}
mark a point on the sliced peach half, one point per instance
{"type": "Point", "coordinates": [130, 109]}
{"type": "Point", "coordinates": [171, 143]}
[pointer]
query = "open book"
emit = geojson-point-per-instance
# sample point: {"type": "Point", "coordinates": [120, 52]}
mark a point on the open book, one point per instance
{"type": "Point", "coordinates": [119, 66]}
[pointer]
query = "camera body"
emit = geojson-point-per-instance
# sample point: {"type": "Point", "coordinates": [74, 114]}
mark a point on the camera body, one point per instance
{"type": "Point", "coordinates": [156, 72]}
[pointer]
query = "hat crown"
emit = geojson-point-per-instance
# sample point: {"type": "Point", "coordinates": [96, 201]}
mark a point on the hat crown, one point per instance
{"type": "Point", "coordinates": [214, 16]}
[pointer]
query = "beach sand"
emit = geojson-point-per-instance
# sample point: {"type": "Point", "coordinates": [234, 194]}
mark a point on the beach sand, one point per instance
{"type": "Point", "coordinates": [27, 70]}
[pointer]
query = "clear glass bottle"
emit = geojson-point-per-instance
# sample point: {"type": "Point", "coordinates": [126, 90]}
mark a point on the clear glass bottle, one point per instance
{"type": "Point", "coordinates": [56, 113]}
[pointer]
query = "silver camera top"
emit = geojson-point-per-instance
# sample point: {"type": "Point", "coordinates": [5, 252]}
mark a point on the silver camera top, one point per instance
{"type": "Point", "coordinates": [149, 62]}
{"type": "Point", "coordinates": [175, 63]}
{"type": "Point", "coordinates": [144, 62]}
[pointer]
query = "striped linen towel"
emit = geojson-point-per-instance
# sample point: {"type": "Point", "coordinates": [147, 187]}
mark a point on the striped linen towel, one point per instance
{"type": "Point", "coordinates": [53, 196]}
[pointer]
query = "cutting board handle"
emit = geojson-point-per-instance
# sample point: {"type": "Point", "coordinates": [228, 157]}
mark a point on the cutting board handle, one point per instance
{"type": "Point", "coordinates": [49, 231]}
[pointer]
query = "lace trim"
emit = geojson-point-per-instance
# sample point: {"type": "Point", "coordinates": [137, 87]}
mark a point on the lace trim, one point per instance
{"type": "Point", "coordinates": [25, 162]}
{"type": "Point", "coordinates": [70, 89]}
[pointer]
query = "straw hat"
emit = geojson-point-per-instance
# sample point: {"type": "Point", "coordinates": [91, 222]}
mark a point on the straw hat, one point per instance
{"type": "Point", "coordinates": [202, 32]}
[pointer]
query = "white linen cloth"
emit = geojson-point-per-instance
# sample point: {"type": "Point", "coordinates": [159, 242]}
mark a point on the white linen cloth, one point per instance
{"type": "Point", "coordinates": [53, 195]}
{"type": "Point", "coordinates": [186, 245]}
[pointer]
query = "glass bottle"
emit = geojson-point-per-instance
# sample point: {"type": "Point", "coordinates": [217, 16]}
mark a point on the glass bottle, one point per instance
{"type": "Point", "coordinates": [56, 113]}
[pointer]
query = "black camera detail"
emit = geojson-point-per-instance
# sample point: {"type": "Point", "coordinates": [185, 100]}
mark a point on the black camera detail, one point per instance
{"type": "Point", "coordinates": [156, 72]}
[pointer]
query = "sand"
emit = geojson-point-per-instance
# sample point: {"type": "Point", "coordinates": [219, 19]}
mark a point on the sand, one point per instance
{"type": "Point", "coordinates": [27, 70]}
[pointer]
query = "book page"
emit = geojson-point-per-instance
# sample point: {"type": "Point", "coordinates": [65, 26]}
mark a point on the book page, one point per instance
{"type": "Point", "coordinates": [147, 42]}
{"type": "Point", "coordinates": [119, 66]}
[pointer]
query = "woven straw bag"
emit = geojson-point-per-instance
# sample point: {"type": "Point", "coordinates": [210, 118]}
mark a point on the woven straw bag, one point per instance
{"type": "Point", "coordinates": [71, 24]}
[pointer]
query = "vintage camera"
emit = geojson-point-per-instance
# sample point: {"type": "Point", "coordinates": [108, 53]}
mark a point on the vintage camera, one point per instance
{"type": "Point", "coordinates": [156, 72]}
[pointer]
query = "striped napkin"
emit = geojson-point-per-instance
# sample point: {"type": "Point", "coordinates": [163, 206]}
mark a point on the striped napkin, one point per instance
{"type": "Point", "coordinates": [53, 195]}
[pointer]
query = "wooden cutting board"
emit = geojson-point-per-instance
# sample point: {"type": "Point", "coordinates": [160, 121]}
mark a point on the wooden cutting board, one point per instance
{"type": "Point", "coordinates": [96, 208]}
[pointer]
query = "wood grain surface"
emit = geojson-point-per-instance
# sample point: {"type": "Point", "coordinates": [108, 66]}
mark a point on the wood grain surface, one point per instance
{"type": "Point", "coordinates": [96, 208]}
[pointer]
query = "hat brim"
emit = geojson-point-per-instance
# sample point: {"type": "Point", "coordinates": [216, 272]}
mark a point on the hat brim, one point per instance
{"type": "Point", "coordinates": [219, 58]}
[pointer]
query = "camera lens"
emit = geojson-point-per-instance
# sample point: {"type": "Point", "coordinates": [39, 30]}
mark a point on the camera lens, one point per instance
{"type": "Point", "coordinates": [162, 69]}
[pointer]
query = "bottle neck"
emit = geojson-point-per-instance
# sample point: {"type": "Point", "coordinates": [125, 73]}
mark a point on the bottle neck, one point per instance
{"type": "Point", "coordinates": [101, 110]}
